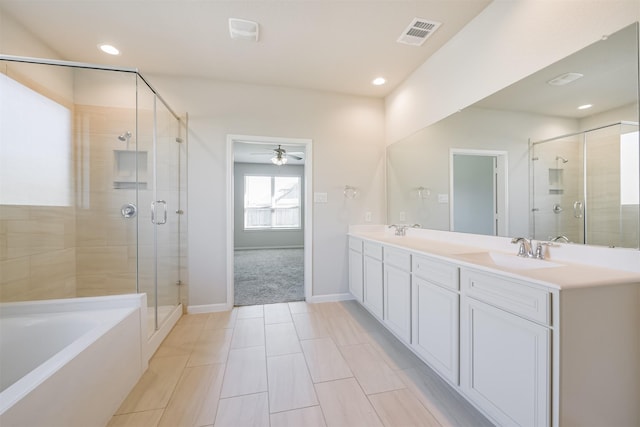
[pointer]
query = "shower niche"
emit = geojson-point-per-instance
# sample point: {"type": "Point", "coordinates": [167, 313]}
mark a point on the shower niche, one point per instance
{"type": "Point", "coordinates": [130, 169]}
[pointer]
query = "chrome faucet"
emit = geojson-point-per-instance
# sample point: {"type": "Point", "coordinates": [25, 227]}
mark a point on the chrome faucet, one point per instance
{"type": "Point", "coordinates": [526, 247]}
{"type": "Point", "coordinates": [561, 237]}
{"type": "Point", "coordinates": [401, 229]}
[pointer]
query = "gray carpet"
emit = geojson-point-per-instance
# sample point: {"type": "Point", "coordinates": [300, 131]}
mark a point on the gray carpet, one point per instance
{"type": "Point", "coordinates": [267, 276]}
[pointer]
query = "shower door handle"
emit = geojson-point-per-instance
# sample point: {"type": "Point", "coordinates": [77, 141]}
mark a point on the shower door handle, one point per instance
{"type": "Point", "coordinates": [154, 206]}
{"type": "Point", "coordinates": [577, 209]}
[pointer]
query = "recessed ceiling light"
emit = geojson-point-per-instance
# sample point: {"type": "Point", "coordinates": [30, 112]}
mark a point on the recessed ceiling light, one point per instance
{"type": "Point", "coordinates": [107, 48]}
{"type": "Point", "coordinates": [585, 106]}
{"type": "Point", "coordinates": [378, 81]}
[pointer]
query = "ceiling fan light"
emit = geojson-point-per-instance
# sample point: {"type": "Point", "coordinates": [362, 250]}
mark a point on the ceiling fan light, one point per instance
{"type": "Point", "coordinates": [278, 160]}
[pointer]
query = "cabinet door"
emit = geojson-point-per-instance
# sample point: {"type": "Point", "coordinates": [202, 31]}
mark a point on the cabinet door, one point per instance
{"type": "Point", "coordinates": [355, 274]}
{"type": "Point", "coordinates": [372, 297]}
{"type": "Point", "coordinates": [435, 327]}
{"type": "Point", "coordinates": [397, 301]}
{"type": "Point", "coordinates": [505, 364]}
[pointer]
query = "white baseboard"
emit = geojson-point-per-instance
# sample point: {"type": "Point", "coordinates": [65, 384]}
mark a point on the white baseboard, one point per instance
{"type": "Point", "coordinates": [330, 297]}
{"type": "Point", "coordinates": [253, 248]}
{"type": "Point", "coordinates": [208, 308]}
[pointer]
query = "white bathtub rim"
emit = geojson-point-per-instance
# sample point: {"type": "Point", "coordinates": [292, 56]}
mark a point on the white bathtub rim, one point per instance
{"type": "Point", "coordinates": [25, 385]}
{"type": "Point", "coordinates": [12, 309]}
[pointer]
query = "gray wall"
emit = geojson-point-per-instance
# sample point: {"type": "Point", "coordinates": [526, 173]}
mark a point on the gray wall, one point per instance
{"type": "Point", "coordinates": [263, 238]}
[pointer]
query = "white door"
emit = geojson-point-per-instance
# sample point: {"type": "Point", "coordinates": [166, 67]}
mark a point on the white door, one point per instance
{"type": "Point", "coordinates": [505, 364]}
{"type": "Point", "coordinates": [435, 327]}
{"type": "Point", "coordinates": [355, 274]}
{"type": "Point", "coordinates": [373, 285]}
{"type": "Point", "coordinates": [397, 301]}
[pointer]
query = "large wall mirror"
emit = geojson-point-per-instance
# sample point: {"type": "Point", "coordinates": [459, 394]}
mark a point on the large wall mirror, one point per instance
{"type": "Point", "coordinates": [567, 172]}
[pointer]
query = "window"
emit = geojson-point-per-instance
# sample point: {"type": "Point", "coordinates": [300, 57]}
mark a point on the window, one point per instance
{"type": "Point", "coordinates": [35, 148]}
{"type": "Point", "coordinates": [629, 173]}
{"type": "Point", "coordinates": [271, 202]}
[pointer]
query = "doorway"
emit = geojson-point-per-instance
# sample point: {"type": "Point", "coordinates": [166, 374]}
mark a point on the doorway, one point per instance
{"type": "Point", "coordinates": [269, 238]}
{"type": "Point", "coordinates": [478, 183]}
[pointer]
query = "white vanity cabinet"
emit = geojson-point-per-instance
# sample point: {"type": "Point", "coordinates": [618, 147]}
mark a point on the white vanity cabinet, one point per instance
{"type": "Point", "coordinates": [356, 274]}
{"type": "Point", "coordinates": [435, 315]}
{"type": "Point", "coordinates": [373, 278]}
{"type": "Point", "coordinates": [397, 292]}
{"type": "Point", "coordinates": [505, 348]}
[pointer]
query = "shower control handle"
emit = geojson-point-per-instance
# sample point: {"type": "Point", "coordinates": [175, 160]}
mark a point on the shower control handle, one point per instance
{"type": "Point", "coordinates": [154, 206]}
{"type": "Point", "coordinates": [128, 210]}
{"type": "Point", "coordinates": [578, 209]}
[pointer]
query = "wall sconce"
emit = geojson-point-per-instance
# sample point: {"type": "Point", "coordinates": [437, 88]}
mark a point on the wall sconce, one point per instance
{"type": "Point", "coordinates": [423, 192]}
{"type": "Point", "coordinates": [350, 192]}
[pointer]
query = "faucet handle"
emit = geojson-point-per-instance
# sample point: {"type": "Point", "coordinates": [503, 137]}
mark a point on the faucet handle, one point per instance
{"type": "Point", "coordinates": [540, 249]}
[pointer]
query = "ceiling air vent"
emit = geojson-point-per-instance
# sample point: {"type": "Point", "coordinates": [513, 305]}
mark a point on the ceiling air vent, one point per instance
{"type": "Point", "coordinates": [418, 31]}
{"type": "Point", "coordinates": [243, 29]}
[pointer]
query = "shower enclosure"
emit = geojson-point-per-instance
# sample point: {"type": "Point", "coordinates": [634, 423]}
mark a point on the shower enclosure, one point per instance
{"type": "Point", "coordinates": [92, 185]}
{"type": "Point", "coordinates": [585, 187]}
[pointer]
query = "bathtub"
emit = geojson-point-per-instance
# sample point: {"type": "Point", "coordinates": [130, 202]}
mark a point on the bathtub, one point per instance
{"type": "Point", "coordinates": [70, 362]}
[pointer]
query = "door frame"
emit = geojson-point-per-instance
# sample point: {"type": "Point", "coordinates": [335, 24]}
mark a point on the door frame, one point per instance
{"type": "Point", "coordinates": [502, 185]}
{"type": "Point", "coordinates": [308, 206]}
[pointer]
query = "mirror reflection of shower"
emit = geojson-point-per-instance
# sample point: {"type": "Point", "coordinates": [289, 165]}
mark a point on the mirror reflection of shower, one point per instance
{"type": "Point", "coordinates": [562, 158]}
{"type": "Point", "coordinates": [125, 137]}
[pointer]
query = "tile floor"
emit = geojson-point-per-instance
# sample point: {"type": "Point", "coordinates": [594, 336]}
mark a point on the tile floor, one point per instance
{"type": "Point", "coordinates": [291, 364]}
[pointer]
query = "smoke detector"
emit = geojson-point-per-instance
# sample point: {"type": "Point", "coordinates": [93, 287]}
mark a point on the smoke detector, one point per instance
{"type": "Point", "coordinates": [418, 31]}
{"type": "Point", "coordinates": [243, 29]}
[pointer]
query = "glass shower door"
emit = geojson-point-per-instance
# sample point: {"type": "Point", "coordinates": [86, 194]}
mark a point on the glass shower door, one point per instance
{"type": "Point", "coordinates": [558, 191]}
{"type": "Point", "coordinates": [167, 210]}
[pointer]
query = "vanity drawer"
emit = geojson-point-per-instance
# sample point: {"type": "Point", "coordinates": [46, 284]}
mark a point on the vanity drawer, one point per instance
{"type": "Point", "coordinates": [438, 272]}
{"type": "Point", "coordinates": [511, 295]}
{"type": "Point", "coordinates": [373, 250]}
{"type": "Point", "coordinates": [355, 244]}
{"type": "Point", "coordinates": [397, 258]}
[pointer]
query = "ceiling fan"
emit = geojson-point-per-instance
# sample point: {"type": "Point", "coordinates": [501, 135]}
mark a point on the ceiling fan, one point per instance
{"type": "Point", "coordinates": [280, 155]}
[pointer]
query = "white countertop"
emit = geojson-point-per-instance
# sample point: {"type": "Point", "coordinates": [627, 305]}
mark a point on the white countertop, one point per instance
{"type": "Point", "coordinates": [472, 252]}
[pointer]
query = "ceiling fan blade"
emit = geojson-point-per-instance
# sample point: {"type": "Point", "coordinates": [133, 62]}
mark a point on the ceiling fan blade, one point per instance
{"type": "Point", "coordinates": [294, 157]}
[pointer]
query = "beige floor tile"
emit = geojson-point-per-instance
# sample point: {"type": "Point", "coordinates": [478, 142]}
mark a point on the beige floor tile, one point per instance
{"type": "Point", "coordinates": [324, 360]}
{"type": "Point", "coordinates": [401, 408]}
{"type": "Point", "coordinates": [276, 313]}
{"type": "Point", "coordinates": [195, 399]}
{"type": "Point", "coordinates": [246, 372]}
{"type": "Point", "coordinates": [156, 385]}
{"type": "Point", "coordinates": [249, 311]}
{"type": "Point", "coordinates": [248, 333]}
{"type": "Point", "coordinates": [281, 338]}
{"type": "Point", "coordinates": [330, 309]}
{"type": "Point", "coordinates": [397, 356]}
{"type": "Point", "coordinates": [310, 325]}
{"type": "Point", "coordinates": [440, 399]}
{"type": "Point", "coordinates": [137, 419]}
{"type": "Point", "coordinates": [344, 404]}
{"type": "Point", "coordinates": [180, 341]}
{"type": "Point", "coordinates": [305, 417]}
{"type": "Point", "coordinates": [344, 330]}
{"type": "Point", "coordinates": [193, 320]}
{"type": "Point", "coordinates": [373, 374]}
{"type": "Point", "coordinates": [212, 347]}
{"type": "Point", "coordinates": [290, 385]}
{"type": "Point", "coordinates": [301, 307]}
{"type": "Point", "coordinates": [221, 319]}
{"type": "Point", "coordinates": [243, 411]}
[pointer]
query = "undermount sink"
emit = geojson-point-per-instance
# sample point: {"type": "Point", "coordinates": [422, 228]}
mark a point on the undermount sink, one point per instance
{"type": "Point", "coordinates": [520, 263]}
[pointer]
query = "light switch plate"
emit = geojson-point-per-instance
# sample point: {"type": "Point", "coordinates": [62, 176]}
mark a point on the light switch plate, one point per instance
{"type": "Point", "coordinates": [320, 197]}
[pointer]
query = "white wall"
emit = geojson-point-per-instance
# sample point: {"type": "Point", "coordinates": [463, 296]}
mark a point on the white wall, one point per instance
{"type": "Point", "coordinates": [348, 149]}
{"type": "Point", "coordinates": [509, 40]}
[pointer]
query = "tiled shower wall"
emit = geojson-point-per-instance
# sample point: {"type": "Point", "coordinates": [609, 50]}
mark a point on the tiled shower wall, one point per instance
{"type": "Point", "coordinates": [83, 250]}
